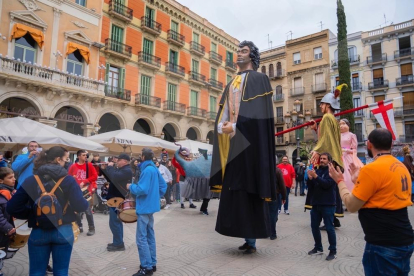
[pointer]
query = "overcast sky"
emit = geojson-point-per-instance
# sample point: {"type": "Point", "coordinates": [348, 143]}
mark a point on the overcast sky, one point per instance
{"type": "Point", "coordinates": [254, 20]}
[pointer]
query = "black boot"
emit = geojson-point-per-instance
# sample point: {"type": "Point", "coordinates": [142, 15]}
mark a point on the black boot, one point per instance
{"type": "Point", "coordinates": [91, 231]}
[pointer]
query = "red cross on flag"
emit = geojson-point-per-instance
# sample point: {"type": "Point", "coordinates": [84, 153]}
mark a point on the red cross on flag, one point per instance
{"type": "Point", "coordinates": [384, 113]}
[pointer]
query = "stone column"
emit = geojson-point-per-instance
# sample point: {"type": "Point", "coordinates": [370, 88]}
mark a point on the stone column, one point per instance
{"type": "Point", "coordinates": [48, 122]}
{"type": "Point", "coordinates": [55, 34]}
{"type": "Point", "coordinates": [87, 130]}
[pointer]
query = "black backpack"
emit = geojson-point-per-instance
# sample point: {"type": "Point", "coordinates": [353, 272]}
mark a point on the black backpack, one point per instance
{"type": "Point", "coordinates": [48, 210]}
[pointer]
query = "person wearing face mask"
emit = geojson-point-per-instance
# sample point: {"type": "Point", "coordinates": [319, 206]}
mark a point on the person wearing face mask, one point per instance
{"type": "Point", "coordinates": [349, 144]}
{"type": "Point", "coordinates": [44, 239]}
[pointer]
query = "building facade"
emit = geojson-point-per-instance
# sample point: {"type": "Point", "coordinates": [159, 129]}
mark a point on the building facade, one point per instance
{"type": "Point", "coordinates": [89, 67]}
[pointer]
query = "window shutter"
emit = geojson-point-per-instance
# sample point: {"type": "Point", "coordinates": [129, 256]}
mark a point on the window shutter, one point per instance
{"type": "Point", "coordinates": [107, 73]}
{"type": "Point", "coordinates": [319, 78]}
{"type": "Point", "coordinates": [408, 99]}
{"type": "Point", "coordinates": [355, 75]}
{"type": "Point", "coordinates": [406, 69]}
{"type": "Point", "coordinates": [378, 73]}
{"type": "Point", "coordinates": [121, 79]}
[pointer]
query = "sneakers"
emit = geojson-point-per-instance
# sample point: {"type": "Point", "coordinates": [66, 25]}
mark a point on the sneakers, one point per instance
{"type": "Point", "coordinates": [182, 206]}
{"type": "Point", "coordinates": [204, 212]}
{"type": "Point", "coordinates": [143, 271]}
{"type": "Point", "coordinates": [250, 250]}
{"type": "Point", "coordinates": [244, 246]}
{"type": "Point", "coordinates": [331, 256]}
{"type": "Point", "coordinates": [113, 248]}
{"type": "Point", "coordinates": [192, 206]}
{"type": "Point", "coordinates": [80, 229]}
{"type": "Point", "coordinates": [273, 237]}
{"type": "Point", "coordinates": [49, 270]}
{"type": "Point", "coordinates": [315, 252]}
{"type": "Point", "coordinates": [91, 231]}
{"type": "Point", "coordinates": [167, 206]}
{"type": "Point", "coordinates": [287, 212]}
{"type": "Point", "coordinates": [154, 268]}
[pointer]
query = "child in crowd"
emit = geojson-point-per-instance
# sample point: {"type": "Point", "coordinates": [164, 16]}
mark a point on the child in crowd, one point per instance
{"type": "Point", "coordinates": [104, 190]}
{"type": "Point", "coordinates": [7, 229]}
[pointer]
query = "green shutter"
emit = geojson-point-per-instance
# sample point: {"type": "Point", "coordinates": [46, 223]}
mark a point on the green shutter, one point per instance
{"type": "Point", "coordinates": [229, 78]}
{"type": "Point", "coordinates": [121, 79]}
{"type": "Point", "coordinates": [148, 45]}
{"type": "Point", "coordinates": [196, 37]}
{"type": "Point", "coordinates": [173, 57]}
{"type": "Point", "coordinates": [195, 66]}
{"type": "Point", "coordinates": [194, 99]}
{"type": "Point", "coordinates": [174, 26]}
{"type": "Point", "coordinates": [150, 13]}
{"type": "Point", "coordinates": [213, 74]}
{"type": "Point", "coordinates": [214, 47]}
{"type": "Point", "coordinates": [145, 85]}
{"type": "Point", "coordinates": [229, 56]}
{"type": "Point", "coordinates": [172, 88]}
{"type": "Point", "coordinates": [212, 104]}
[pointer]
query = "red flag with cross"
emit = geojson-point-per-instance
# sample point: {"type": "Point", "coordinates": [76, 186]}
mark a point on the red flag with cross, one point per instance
{"type": "Point", "coordinates": [384, 113]}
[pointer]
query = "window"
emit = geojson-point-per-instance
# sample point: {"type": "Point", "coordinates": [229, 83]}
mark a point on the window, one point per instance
{"type": "Point", "coordinates": [404, 45]}
{"type": "Point", "coordinates": [147, 50]}
{"type": "Point", "coordinates": [296, 58]}
{"type": "Point", "coordinates": [358, 132]}
{"type": "Point", "coordinates": [357, 103]}
{"type": "Point", "coordinates": [25, 49]}
{"type": "Point", "coordinates": [196, 37]}
{"type": "Point", "coordinates": [172, 96]}
{"type": "Point", "coordinates": [279, 112]}
{"type": "Point", "coordinates": [408, 102]}
{"type": "Point", "coordinates": [213, 104]}
{"type": "Point", "coordinates": [355, 82]}
{"type": "Point", "coordinates": [352, 54]}
{"type": "Point", "coordinates": [213, 74]}
{"type": "Point", "coordinates": [81, 2]}
{"type": "Point", "coordinates": [279, 69]}
{"type": "Point", "coordinates": [278, 95]}
{"type": "Point", "coordinates": [376, 52]}
{"type": "Point", "coordinates": [150, 13]}
{"type": "Point", "coordinates": [145, 89]}
{"type": "Point", "coordinates": [117, 37]}
{"type": "Point", "coordinates": [317, 53]}
{"type": "Point", "coordinates": [75, 63]}
{"type": "Point", "coordinates": [297, 82]}
{"type": "Point", "coordinates": [229, 78]}
{"type": "Point", "coordinates": [379, 98]}
{"type": "Point", "coordinates": [264, 69]}
{"type": "Point", "coordinates": [336, 81]}
{"type": "Point", "coordinates": [213, 47]}
{"type": "Point", "coordinates": [409, 130]}
{"type": "Point", "coordinates": [319, 78]}
{"type": "Point", "coordinates": [271, 71]}
{"type": "Point", "coordinates": [378, 76]}
{"type": "Point", "coordinates": [406, 73]}
{"type": "Point", "coordinates": [229, 56]}
{"type": "Point", "coordinates": [115, 77]}
{"type": "Point", "coordinates": [174, 29]}
{"type": "Point", "coordinates": [194, 66]}
{"type": "Point", "coordinates": [173, 57]}
{"type": "Point", "coordinates": [194, 99]}
{"type": "Point", "coordinates": [279, 139]}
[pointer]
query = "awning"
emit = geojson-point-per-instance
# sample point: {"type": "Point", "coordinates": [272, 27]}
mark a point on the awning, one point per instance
{"type": "Point", "coordinates": [20, 30]}
{"type": "Point", "coordinates": [84, 51]}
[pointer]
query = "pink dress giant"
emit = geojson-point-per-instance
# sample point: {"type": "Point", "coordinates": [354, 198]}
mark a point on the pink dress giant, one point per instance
{"type": "Point", "coordinates": [349, 146]}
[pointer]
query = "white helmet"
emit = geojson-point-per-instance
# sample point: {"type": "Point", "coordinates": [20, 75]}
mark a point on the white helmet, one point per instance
{"type": "Point", "coordinates": [333, 98]}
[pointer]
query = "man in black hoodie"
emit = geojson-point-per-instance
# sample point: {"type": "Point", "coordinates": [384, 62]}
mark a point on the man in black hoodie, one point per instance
{"type": "Point", "coordinates": [323, 203]}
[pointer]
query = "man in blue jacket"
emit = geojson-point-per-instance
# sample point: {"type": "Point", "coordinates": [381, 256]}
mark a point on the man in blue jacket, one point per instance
{"type": "Point", "coordinates": [23, 165]}
{"type": "Point", "coordinates": [148, 191]}
{"type": "Point", "coordinates": [323, 203]}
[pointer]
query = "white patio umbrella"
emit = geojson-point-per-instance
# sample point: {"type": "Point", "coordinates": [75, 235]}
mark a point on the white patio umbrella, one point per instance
{"type": "Point", "coordinates": [129, 141]}
{"type": "Point", "coordinates": [193, 146]}
{"type": "Point", "coordinates": [19, 131]}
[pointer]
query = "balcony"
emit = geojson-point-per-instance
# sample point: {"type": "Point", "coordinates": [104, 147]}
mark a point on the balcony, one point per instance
{"type": "Point", "coordinates": [316, 113]}
{"type": "Point", "coordinates": [215, 85]}
{"type": "Point", "coordinates": [175, 38]}
{"type": "Point", "coordinates": [360, 137]}
{"type": "Point", "coordinates": [406, 138]}
{"type": "Point", "coordinates": [141, 99]}
{"type": "Point", "coordinates": [120, 11]}
{"type": "Point", "coordinates": [404, 111]}
{"type": "Point", "coordinates": [174, 70]}
{"type": "Point", "coordinates": [353, 60]}
{"type": "Point", "coordinates": [215, 58]}
{"type": "Point", "coordinates": [401, 54]}
{"type": "Point", "coordinates": [231, 66]}
{"type": "Point", "coordinates": [211, 116]}
{"type": "Point", "coordinates": [278, 98]}
{"type": "Point", "coordinates": [359, 114]}
{"type": "Point", "coordinates": [278, 75]}
{"type": "Point", "coordinates": [149, 61]}
{"type": "Point", "coordinates": [150, 26]}
{"type": "Point", "coordinates": [319, 88]}
{"type": "Point", "coordinates": [378, 85]}
{"type": "Point", "coordinates": [197, 49]}
{"type": "Point", "coordinates": [377, 59]}
{"type": "Point", "coordinates": [280, 140]}
{"type": "Point", "coordinates": [45, 79]}
{"type": "Point", "coordinates": [117, 93]}
{"type": "Point", "coordinates": [297, 91]}
{"type": "Point", "coordinates": [279, 120]}
{"type": "Point", "coordinates": [196, 112]}
{"type": "Point", "coordinates": [196, 78]}
{"type": "Point", "coordinates": [118, 49]}
{"type": "Point", "coordinates": [356, 86]}
{"type": "Point", "coordinates": [174, 107]}
{"type": "Point", "coordinates": [404, 81]}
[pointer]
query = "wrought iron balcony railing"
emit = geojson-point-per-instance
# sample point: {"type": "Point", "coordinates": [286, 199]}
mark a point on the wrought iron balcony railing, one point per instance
{"type": "Point", "coordinates": [297, 91]}
{"type": "Point", "coordinates": [278, 97]}
{"type": "Point", "coordinates": [118, 47]}
{"type": "Point", "coordinates": [147, 22]}
{"type": "Point", "coordinates": [377, 58]}
{"type": "Point", "coordinates": [378, 84]}
{"type": "Point", "coordinates": [398, 54]}
{"type": "Point", "coordinates": [356, 86]}
{"type": "Point", "coordinates": [231, 65]}
{"type": "Point", "coordinates": [118, 8]}
{"type": "Point", "coordinates": [215, 84]}
{"type": "Point", "coordinates": [319, 87]}
{"type": "Point", "coordinates": [404, 80]}
{"type": "Point", "coordinates": [174, 68]}
{"type": "Point", "coordinates": [174, 36]}
{"type": "Point", "coordinates": [117, 93]}
{"type": "Point", "coordinates": [198, 48]}
{"type": "Point", "coordinates": [216, 57]}
{"type": "Point", "coordinates": [174, 106]}
{"type": "Point", "coordinates": [147, 100]}
{"type": "Point", "coordinates": [351, 59]}
{"type": "Point", "coordinates": [195, 111]}
{"type": "Point", "coordinates": [149, 59]}
{"type": "Point", "coordinates": [211, 115]}
{"type": "Point", "coordinates": [197, 77]}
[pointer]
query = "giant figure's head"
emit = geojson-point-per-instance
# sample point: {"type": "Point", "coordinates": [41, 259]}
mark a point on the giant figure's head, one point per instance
{"type": "Point", "coordinates": [252, 56]}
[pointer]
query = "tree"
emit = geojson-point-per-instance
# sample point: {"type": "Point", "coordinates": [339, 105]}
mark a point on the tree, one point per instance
{"type": "Point", "coordinates": [343, 65]}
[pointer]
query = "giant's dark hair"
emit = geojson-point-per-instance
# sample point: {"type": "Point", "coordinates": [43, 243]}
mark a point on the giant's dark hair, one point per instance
{"type": "Point", "coordinates": [381, 139]}
{"type": "Point", "coordinates": [48, 156]}
{"type": "Point", "coordinates": [254, 53]}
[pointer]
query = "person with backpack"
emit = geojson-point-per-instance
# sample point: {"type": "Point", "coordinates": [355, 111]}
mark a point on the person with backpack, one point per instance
{"type": "Point", "coordinates": [48, 200]}
{"type": "Point", "coordinates": [23, 165]}
{"type": "Point", "coordinates": [86, 175]}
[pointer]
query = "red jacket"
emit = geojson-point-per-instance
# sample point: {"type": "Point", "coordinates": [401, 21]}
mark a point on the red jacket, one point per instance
{"type": "Point", "coordinates": [79, 173]}
{"type": "Point", "coordinates": [288, 174]}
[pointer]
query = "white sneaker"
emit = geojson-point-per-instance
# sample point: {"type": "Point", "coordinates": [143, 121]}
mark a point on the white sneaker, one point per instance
{"type": "Point", "coordinates": [167, 206]}
{"type": "Point", "coordinates": [278, 212]}
{"type": "Point", "coordinates": [287, 212]}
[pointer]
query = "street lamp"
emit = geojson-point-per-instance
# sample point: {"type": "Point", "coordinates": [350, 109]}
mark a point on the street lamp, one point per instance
{"type": "Point", "coordinates": [295, 118]}
{"type": "Point", "coordinates": [162, 135]}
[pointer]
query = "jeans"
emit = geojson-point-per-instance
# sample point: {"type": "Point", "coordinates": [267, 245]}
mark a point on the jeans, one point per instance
{"type": "Point", "coordinates": [168, 194]}
{"type": "Point", "coordinates": [387, 260]}
{"type": "Point", "coordinates": [251, 242]}
{"type": "Point", "coordinates": [273, 213]}
{"type": "Point", "coordinates": [286, 205]}
{"type": "Point", "coordinates": [177, 191]}
{"type": "Point", "coordinates": [89, 218]}
{"type": "Point", "coordinates": [327, 214]}
{"type": "Point", "coordinates": [42, 242]}
{"type": "Point", "coordinates": [146, 241]}
{"type": "Point", "coordinates": [116, 227]}
{"type": "Point", "coordinates": [204, 206]}
{"type": "Point", "coordinates": [300, 183]}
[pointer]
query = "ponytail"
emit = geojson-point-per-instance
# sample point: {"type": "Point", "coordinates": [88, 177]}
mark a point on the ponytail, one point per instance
{"type": "Point", "coordinates": [49, 156]}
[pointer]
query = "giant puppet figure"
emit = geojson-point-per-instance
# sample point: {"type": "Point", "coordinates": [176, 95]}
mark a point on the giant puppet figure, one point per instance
{"type": "Point", "coordinates": [243, 164]}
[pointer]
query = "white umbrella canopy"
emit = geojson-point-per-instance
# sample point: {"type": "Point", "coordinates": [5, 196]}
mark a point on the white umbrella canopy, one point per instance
{"type": "Point", "coordinates": [193, 146]}
{"type": "Point", "coordinates": [129, 141]}
{"type": "Point", "coordinates": [19, 131]}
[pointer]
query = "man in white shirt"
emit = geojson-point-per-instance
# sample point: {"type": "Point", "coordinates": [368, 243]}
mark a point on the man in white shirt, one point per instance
{"type": "Point", "coordinates": [166, 174]}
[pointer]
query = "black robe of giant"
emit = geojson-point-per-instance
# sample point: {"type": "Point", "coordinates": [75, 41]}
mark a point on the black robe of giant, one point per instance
{"type": "Point", "coordinates": [243, 167]}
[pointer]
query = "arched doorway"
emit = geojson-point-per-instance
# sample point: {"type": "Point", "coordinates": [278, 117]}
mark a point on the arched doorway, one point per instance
{"type": "Point", "coordinates": [210, 137]}
{"type": "Point", "coordinates": [109, 122]}
{"type": "Point", "coordinates": [142, 126]}
{"type": "Point", "coordinates": [191, 134]}
{"type": "Point", "coordinates": [13, 107]}
{"type": "Point", "coordinates": [70, 119]}
{"type": "Point", "coordinates": [294, 156]}
{"type": "Point", "coordinates": [169, 133]}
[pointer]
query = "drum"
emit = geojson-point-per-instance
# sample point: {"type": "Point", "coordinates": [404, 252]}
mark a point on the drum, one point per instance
{"type": "Point", "coordinates": [76, 231]}
{"type": "Point", "coordinates": [22, 235]}
{"type": "Point", "coordinates": [127, 212]}
{"type": "Point", "coordinates": [86, 194]}
{"type": "Point", "coordinates": [114, 202]}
